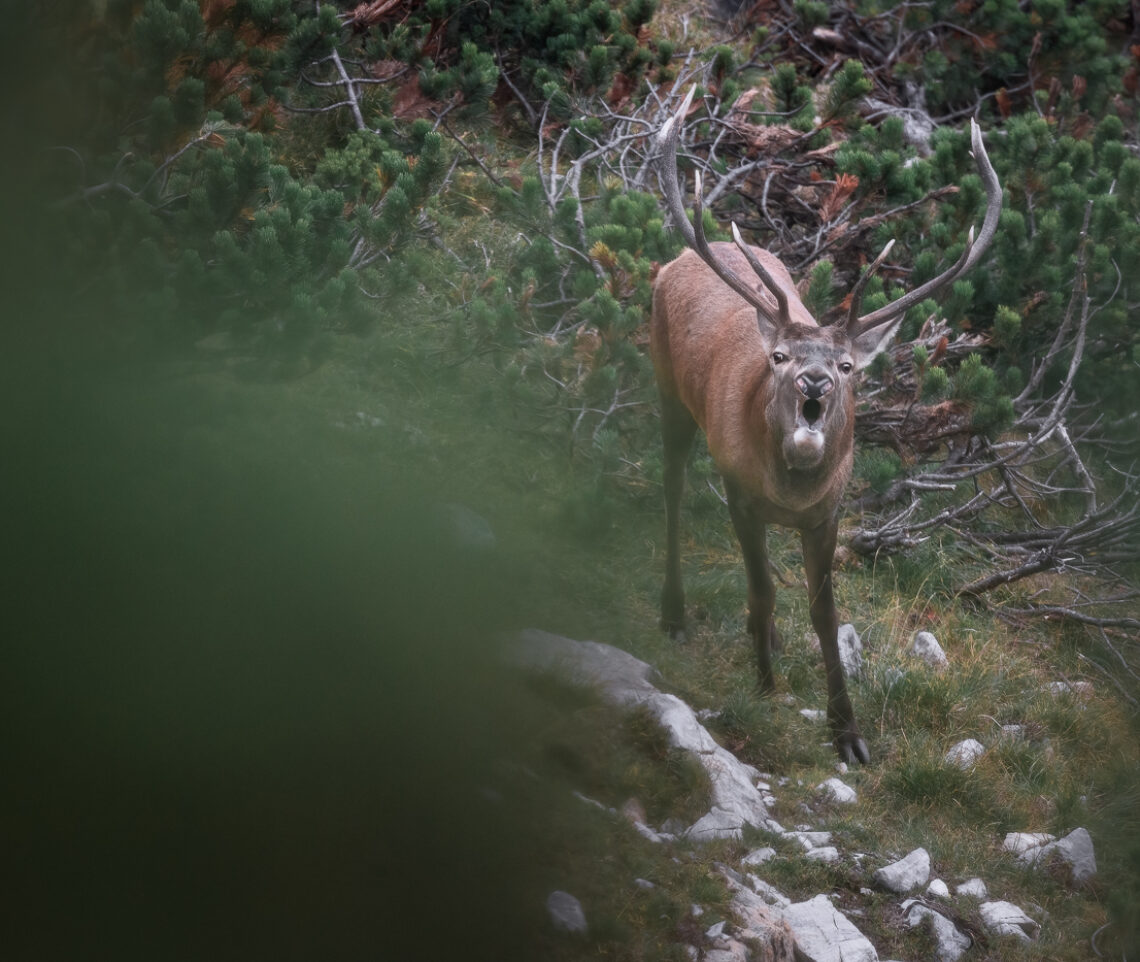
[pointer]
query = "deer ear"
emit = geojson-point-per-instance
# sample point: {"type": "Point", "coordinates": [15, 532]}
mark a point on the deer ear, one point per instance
{"type": "Point", "coordinates": [769, 329]}
{"type": "Point", "coordinates": [865, 346]}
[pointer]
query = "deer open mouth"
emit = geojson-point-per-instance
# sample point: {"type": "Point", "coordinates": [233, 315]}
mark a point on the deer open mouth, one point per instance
{"type": "Point", "coordinates": [812, 411]}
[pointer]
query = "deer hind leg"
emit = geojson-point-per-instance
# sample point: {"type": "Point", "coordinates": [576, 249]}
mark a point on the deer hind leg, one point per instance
{"type": "Point", "coordinates": [753, 537]}
{"type": "Point", "coordinates": [677, 430]}
{"type": "Point", "coordinates": [819, 551]}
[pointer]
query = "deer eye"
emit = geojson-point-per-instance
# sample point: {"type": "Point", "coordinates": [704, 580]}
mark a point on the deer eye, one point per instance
{"type": "Point", "coordinates": [779, 357]}
{"type": "Point", "coordinates": [846, 367]}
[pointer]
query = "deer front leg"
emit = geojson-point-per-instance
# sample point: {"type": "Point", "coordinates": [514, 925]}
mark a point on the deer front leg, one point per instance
{"type": "Point", "coordinates": [677, 432]}
{"type": "Point", "coordinates": [819, 550]}
{"type": "Point", "coordinates": [753, 537]}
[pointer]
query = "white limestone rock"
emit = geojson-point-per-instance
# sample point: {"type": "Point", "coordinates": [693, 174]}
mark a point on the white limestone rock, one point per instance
{"type": "Point", "coordinates": [950, 944]}
{"type": "Point", "coordinates": [938, 889]}
{"type": "Point", "coordinates": [757, 919]}
{"type": "Point", "coordinates": [725, 950]}
{"type": "Point", "coordinates": [627, 681]}
{"type": "Point", "coordinates": [906, 874]}
{"type": "Point", "coordinates": [1020, 842]}
{"type": "Point", "coordinates": [758, 856]}
{"type": "Point", "coordinates": [824, 934]}
{"type": "Point", "coordinates": [925, 646]}
{"type": "Point", "coordinates": [825, 853]}
{"type": "Point", "coordinates": [1005, 918]}
{"type": "Point", "coordinates": [809, 839]}
{"type": "Point", "coordinates": [1074, 851]}
{"type": "Point", "coordinates": [1082, 689]}
{"type": "Point", "coordinates": [973, 888]}
{"type": "Point", "coordinates": [965, 753]}
{"type": "Point", "coordinates": [838, 791]}
{"type": "Point", "coordinates": [716, 823]}
{"type": "Point", "coordinates": [850, 651]}
{"type": "Point", "coordinates": [917, 125]}
{"type": "Point", "coordinates": [650, 835]}
{"type": "Point", "coordinates": [566, 913]}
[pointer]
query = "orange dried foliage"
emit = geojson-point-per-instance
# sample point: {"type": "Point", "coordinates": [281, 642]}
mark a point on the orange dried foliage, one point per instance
{"type": "Point", "coordinates": [845, 185]}
{"type": "Point", "coordinates": [939, 350]}
{"type": "Point", "coordinates": [410, 102]}
{"type": "Point", "coordinates": [366, 15]}
{"type": "Point", "coordinates": [1004, 104]}
{"type": "Point", "coordinates": [620, 90]}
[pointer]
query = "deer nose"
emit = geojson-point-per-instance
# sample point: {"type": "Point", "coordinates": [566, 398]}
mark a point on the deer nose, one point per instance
{"type": "Point", "coordinates": [814, 384]}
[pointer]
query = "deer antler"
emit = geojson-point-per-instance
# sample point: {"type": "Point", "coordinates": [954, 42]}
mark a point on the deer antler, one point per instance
{"type": "Point", "coordinates": [694, 233]}
{"type": "Point", "coordinates": [970, 256]}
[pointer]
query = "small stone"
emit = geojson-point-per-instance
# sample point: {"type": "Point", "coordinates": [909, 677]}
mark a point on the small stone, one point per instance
{"type": "Point", "coordinates": [838, 791]}
{"type": "Point", "coordinates": [715, 931]}
{"type": "Point", "coordinates": [810, 840]}
{"type": "Point", "coordinates": [647, 833]}
{"type": "Point", "coordinates": [644, 883]}
{"type": "Point", "coordinates": [850, 651]}
{"type": "Point", "coordinates": [950, 944]}
{"type": "Point", "coordinates": [1020, 842]}
{"type": "Point", "coordinates": [826, 853]}
{"type": "Point", "coordinates": [906, 874]}
{"type": "Point", "coordinates": [566, 913]}
{"type": "Point", "coordinates": [814, 714]}
{"type": "Point", "coordinates": [965, 753]}
{"type": "Point", "coordinates": [1005, 918]}
{"type": "Point", "coordinates": [1082, 689]}
{"type": "Point", "coordinates": [973, 888]}
{"type": "Point", "coordinates": [938, 889]}
{"type": "Point", "coordinates": [926, 647]}
{"type": "Point", "coordinates": [758, 856]}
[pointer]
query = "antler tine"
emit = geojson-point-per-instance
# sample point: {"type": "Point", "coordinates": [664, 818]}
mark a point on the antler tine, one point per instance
{"type": "Point", "coordinates": [861, 284]}
{"type": "Point", "coordinates": [762, 272]}
{"type": "Point", "coordinates": [694, 233]}
{"type": "Point", "coordinates": [970, 256]}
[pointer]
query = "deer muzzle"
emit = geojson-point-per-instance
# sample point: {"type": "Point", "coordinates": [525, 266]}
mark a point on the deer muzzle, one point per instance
{"type": "Point", "coordinates": [814, 385]}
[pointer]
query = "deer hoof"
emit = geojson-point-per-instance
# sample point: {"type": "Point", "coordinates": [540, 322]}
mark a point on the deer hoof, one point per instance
{"type": "Point", "coordinates": [852, 749]}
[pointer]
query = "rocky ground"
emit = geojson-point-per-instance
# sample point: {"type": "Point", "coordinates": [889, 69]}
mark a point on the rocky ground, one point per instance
{"type": "Point", "coordinates": [767, 925]}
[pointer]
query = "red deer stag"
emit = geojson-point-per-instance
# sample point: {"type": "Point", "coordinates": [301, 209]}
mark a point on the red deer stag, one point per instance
{"type": "Point", "coordinates": [774, 391]}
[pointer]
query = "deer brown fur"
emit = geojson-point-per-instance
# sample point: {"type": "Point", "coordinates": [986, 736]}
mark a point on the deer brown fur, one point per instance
{"type": "Point", "coordinates": [774, 393]}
